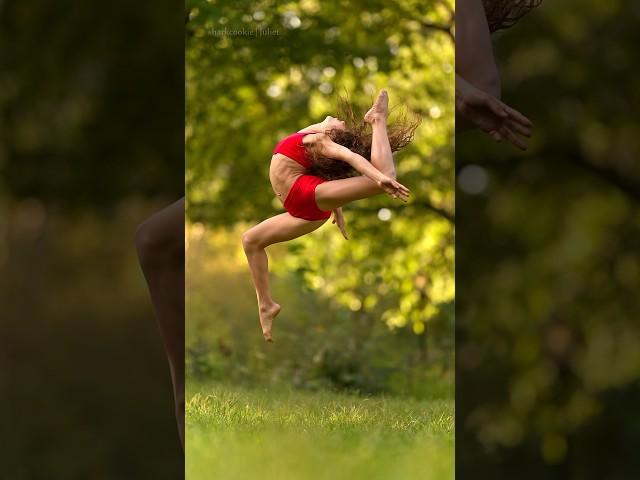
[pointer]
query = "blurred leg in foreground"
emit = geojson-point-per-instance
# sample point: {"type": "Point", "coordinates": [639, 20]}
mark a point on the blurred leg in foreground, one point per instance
{"type": "Point", "coordinates": [160, 245]}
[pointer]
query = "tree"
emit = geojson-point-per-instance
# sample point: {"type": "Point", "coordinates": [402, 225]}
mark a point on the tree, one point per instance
{"type": "Point", "coordinates": [258, 71]}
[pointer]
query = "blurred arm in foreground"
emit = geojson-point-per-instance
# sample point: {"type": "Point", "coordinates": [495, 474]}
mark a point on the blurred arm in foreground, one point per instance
{"type": "Point", "coordinates": [478, 85]}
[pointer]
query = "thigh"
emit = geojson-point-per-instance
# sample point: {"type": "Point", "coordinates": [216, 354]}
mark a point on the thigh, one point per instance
{"type": "Point", "coordinates": [283, 227]}
{"type": "Point", "coordinates": [336, 193]}
{"type": "Point", "coordinates": [168, 221]}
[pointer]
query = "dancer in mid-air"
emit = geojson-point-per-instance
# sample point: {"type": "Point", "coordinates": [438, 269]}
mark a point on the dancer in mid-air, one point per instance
{"type": "Point", "coordinates": [478, 85]}
{"type": "Point", "coordinates": [315, 172]}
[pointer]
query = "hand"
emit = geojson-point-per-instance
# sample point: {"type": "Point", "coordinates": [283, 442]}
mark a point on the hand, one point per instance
{"type": "Point", "coordinates": [393, 188]}
{"type": "Point", "coordinates": [491, 115]}
{"type": "Point", "coordinates": [338, 218]}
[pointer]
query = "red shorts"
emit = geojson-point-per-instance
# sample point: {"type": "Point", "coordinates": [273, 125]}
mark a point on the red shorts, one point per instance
{"type": "Point", "coordinates": [301, 199]}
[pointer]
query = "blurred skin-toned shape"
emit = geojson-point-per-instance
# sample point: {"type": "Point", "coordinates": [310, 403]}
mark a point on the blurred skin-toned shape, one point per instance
{"type": "Point", "coordinates": [91, 143]}
{"type": "Point", "coordinates": [160, 246]}
{"type": "Point", "coordinates": [478, 84]}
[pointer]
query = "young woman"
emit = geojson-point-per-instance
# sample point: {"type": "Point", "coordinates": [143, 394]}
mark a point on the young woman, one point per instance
{"type": "Point", "coordinates": [478, 86]}
{"type": "Point", "coordinates": [314, 172]}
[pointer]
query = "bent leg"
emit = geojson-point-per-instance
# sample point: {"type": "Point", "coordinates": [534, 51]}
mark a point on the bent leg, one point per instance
{"type": "Point", "coordinates": [381, 155]}
{"type": "Point", "coordinates": [337, 193]}
{"type": "Point", "coordinates": [276, 229]}
{"type": "Point", "coordinates": [160, 247]}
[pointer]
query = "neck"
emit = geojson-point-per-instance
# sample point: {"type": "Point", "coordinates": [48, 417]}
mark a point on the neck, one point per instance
{"type": "Point", "coordinates": [316, 128]}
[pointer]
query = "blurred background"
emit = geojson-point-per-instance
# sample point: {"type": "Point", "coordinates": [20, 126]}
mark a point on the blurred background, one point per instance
{"type": "Point", "coordinates": [373, 314]}
{"type": "Point", "coordinates": [548, 269]}
{"type": "Point", "coordinates": [91, 115]}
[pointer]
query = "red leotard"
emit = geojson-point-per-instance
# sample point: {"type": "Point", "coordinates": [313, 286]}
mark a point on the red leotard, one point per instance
{"type": "Point", "coordinates": [301, 199]}
{"type": "Point", "coordinates": [293, 148]}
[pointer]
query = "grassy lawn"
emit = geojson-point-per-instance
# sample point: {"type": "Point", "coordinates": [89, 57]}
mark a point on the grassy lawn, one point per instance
{"type": "Point", "coordinates": [280, 434]}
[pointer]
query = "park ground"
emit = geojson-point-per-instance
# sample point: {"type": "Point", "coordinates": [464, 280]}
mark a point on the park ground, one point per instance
{"type": "Point", "coordinates": [278, 433]}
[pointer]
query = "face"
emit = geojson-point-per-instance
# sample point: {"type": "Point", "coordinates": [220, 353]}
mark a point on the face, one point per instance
{"type": "Point", "coordinates": [333, 123]}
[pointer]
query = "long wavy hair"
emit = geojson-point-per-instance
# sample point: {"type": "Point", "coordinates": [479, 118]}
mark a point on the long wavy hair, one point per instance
{"type": "Point", "coordinates": [357, 137]}
{"type": "Point", "coordinates": [503, 14]}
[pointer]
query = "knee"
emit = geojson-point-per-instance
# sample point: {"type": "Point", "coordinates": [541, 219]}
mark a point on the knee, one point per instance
{"type": "Point", "coordinates": [154, 248]}
{"type": "Point", "coordinates": [145, 242]}
{"type": "Point", "coordinates": [250, 240]}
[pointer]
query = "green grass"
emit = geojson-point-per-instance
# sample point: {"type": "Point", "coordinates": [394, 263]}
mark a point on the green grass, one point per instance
{"type": "Point", "coordinates": [281, 434]}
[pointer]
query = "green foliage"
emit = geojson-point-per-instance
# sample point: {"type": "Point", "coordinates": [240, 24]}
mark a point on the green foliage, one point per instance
{"type": "Point", "coordinates": [318, 344]}
{"type": "Point", "coordinates": [82, 359]}
{"type": "Point", "coordinates": [246, 90]}
{"type": "Point", "coordinates": [283, 434]}
{"type": "Point", "coordinates": [91, 102]}
{"type": "Point", "coordinates": [548, 256]}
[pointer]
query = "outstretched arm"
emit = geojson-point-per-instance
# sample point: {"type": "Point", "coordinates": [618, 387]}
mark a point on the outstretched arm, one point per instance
{"type": "Point", "coordinates": [475, 60]}
{"type": "Point", "coordinates": [478, 86]}
{"type": "Point", "coordinates": [330, 149]}
{"type": "Point", "coordinates": [327, 147]}
{"type": "Point", "coordinates": [490, 114]}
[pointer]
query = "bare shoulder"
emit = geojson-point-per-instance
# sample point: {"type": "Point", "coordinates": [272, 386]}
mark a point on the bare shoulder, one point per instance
{"type": "Point", "coordinates": [314, 138]}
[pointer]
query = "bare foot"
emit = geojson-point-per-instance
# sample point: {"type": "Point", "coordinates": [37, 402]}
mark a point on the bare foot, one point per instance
{"type": "Point", "coordinates": [267, 313]}
{"type": "Point", "coordinates": [380, 108]}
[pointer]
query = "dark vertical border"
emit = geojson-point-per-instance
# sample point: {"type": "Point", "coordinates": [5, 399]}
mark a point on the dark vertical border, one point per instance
{"type": "Point", "coordinates": [547, 255]}
{"type": "Point", "coordinates": [91, 144]}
